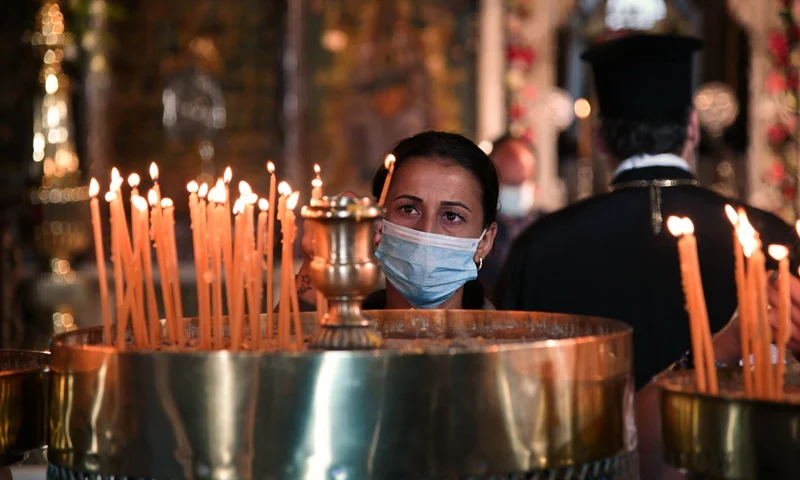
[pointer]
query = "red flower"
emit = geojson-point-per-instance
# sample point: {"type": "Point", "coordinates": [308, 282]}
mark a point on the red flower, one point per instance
{"type": "Point", "coordinates": [776, 82]}
{"type": "Point", "coordinates": [523, 55]}
{"type": "Point", "coordinates": [779, 47]}
{"type": "Point", "coordinates": [793, 80]}
{"type": "Point", "coordinates": [777, 134]}
{"type": "Point", "coordinates": [516, 111]}
{"type": "Point", "coordinates": [788, 192]}
{"type": "Point", "coordinates": [777, 172]}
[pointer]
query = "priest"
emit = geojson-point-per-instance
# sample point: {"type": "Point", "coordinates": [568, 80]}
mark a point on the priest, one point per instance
{"type": "Point", "coordinates": [611, 255]}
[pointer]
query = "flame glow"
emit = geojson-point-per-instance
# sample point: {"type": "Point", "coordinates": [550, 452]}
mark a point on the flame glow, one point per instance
{"type": "Point", "coordinates": [675, 226]}
{"type": "Point", "coordinates": [154, 171]}
{"type": "Point", "coordinates": [167, 203]}
{"type": "Point", "coordinates": [244, 189]}
{"type": "Point", "coordinates": [115, 174]}
{"type": "Point", "coordinates": [152, 198]}
{"type": "Point", "coordinates": [688, 226]}
{"type": "Point", "coordinates": [263, 204]}
{"type": "Point", "coordinates": [316, 183]}
{"type": "Point", "coordinates": [732, 215]}
{"type": "Point", "coordinates": [238, 206]}
{"type": "Point", "coordinates": [133, 180]}
{"type": "Point", "coordinates": [797, 226]}
{"type": "Point", "coordinates": [228, 175]}
{"type": "Point", "coordinates": [284, 188]}
{"type": "Point", "coordinates": [116, 184]}
{"type": "Point", "coordinates": [270, 167]}
{"type": "Point", "coordinates": [192, 187]}
{"type": "Point", "coordinates": [778, 252]}
{"type": "Point", "coordinates": [389, 161]}
{"type": "Point", "coordinates": [292, 201]}
{"type": "Point", "coordinates": [139, 202]}
{"type": "Point", "coordinates": [203, 190]}
{"type": "Point", "coordinates": [94, 188]}
{"type": "Point", "coordinates": [317, 169]}
{"type": "Point", "coordinates": [111, 196]}
{"type": "Point", "coordinates": [250, 199]}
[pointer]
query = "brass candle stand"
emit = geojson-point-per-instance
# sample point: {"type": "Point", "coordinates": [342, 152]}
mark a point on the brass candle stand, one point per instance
{"type": "Point", "coordinates": [23, 403]}
{"type": "Point", "coordinates": [727, 436]}
{"type": "Point", "coordinates": [344, 269]}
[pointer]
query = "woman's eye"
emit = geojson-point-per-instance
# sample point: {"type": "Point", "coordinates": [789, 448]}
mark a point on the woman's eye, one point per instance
{"type": "Point", "coordinates": [453, 217]}
{"type": "Point", "coordinates": [408, 209]}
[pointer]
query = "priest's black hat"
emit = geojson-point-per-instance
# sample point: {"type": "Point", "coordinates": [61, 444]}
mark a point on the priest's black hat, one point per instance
{"type": "Point", "coordinates": [643, 75]}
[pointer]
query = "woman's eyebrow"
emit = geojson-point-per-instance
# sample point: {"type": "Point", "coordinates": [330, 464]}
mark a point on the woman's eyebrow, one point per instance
{"type": "Point", "coordinates": [410, 197]}
{"type": "Point", "coordinates": [454, 204]}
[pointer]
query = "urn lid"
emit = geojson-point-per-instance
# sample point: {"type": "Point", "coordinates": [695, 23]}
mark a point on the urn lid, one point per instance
{"type": "Point", "coordinates": [342, 207]}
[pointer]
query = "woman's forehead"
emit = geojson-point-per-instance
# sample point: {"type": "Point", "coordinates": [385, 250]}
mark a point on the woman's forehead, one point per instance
{"type": "Point", "coordinates": [436, 180]}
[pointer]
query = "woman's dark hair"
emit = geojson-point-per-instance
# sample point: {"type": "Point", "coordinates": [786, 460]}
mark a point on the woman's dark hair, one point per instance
{"type": "Point", "coordinates": [454, 148]}
{"type": "Point", "coordinates": [625, 138]}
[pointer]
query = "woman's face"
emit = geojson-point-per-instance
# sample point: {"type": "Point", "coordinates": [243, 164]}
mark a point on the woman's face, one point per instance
{"type": "Point", "coordinates": [437, 196]}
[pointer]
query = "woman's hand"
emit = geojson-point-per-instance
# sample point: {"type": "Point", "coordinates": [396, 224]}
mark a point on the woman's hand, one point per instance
{"type": "Point", "coordinates": [728, 342]}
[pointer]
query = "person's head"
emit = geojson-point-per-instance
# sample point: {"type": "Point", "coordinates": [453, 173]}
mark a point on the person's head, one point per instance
{"type": "Point", "coordinates": [644, 89]}
{"type": "Point", "coordinates": [515, 160]}
{"type": "Point", "coordinates": [442, 186]}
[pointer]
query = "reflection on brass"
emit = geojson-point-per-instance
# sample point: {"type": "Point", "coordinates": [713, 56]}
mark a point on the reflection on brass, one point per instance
{"type": "Point", "coordinates": [729, 437]}
{"type": "Point", "coordinates": [23, 401]}
{"type": "Point", "coordinates": [452, 394]}
{"type": "Point", "coordinates": [344, 269]}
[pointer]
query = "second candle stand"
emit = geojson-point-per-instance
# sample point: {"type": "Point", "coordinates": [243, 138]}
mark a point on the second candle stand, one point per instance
{"type": "Point", "coordinates": [344, 269]}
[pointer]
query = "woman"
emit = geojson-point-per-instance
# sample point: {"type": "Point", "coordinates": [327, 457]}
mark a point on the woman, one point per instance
{"type": "Point", "coordinates": [439, 226]}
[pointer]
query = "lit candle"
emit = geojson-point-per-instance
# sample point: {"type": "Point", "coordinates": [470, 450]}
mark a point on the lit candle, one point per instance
{"type": "Point", "coordinates": [215, 195]}
{"type": "Point", "coordinates": [162, 261]}
{"type": "Point", "coordinates": [105, 305]}
{"type": "Point", "coordinates": [168, 209]}
{"type": "Point", "coordinates": [741, 293]}
{"type": "Point", "coordinates": [388, 163]}
{"type": "Point", "coordinates": [139, 324]}
{"type": "Point", "coordinates": [116, 259]}
{"type": "Point", "coordinates": [154, 177]}
{"type": "Point", "coordinates": [781, 254]}
{"type": "Point", "coordinates": [286, 269]}
{"type": "Point", "coordinates": [316, 184]}
{"type": "Point", "coordinates": [289, 218]}
{"type": "Point", "coordinates": [263, 206]}
{"type": "Point", "coordinates": [227, 237]}
{"type": "Point", "coordinates": [205, 274]}
{"type": "Point", "coordinates": [154, 324]}
{"type": "Point", "coordinates": [269, 249]}
{"type": "Point", "coordinates": [194, 214]}
{"type": "Point", "coordinates": [235, 316]}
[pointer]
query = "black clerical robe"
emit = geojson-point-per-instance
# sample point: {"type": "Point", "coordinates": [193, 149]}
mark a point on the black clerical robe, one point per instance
{"type": "Point", "coordinates": [609, 256]}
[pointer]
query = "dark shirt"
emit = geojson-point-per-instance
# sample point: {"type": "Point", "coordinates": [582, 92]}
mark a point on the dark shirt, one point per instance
{"type": "Point", "coordinates": [601, 257]}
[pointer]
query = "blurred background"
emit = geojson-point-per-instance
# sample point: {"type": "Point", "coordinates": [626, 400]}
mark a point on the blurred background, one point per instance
{"type": "Point", "coordinates": [197, 86]}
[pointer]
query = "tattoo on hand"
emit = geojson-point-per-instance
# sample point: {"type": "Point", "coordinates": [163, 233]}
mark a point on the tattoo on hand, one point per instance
{"type": "Point", "coordinates": [305, 285]}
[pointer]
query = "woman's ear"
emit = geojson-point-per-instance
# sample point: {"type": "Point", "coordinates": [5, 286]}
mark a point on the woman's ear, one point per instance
{"type": "Point", "coordinates": [378, 232]}
{"type": "Point", "coordinates": [486, 243]}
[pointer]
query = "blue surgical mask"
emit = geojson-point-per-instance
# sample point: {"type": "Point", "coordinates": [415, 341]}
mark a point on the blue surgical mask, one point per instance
{"type": "Point", "coordinates": [426, 268]}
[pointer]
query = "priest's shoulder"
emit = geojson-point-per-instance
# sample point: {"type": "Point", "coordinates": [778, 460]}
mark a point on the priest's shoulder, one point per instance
{"type": "Point", "coordinates": [571, 216]}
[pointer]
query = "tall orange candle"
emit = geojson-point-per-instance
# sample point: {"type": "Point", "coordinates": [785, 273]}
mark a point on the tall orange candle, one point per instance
{"type": "Point", "coordinates": [261, 231]}
{"type": "Point", "coordinates": [290, 219]}
{"type": "Point", "coordinates": [162, 262]}
{"type": "Point", "coordinates": [119, 287]}
{"type": "Point", "coordinates": [236, 304]}
{"type": "Point", "coordinates": [216, 264]}
{"type": "Point", "coordinates": [194, 215]}
{"type": "Point", "coordinates": [105, 305]}
{"type": "Point", "coordinates": [168, 209]}
{"type": "Point", "coordinates": [286, 269]}
{"type": "Point", "coordinates": [781, 254]}
{"type": "Point", "coordinates": [269, 249]}
{"type": "Point", "coordinates": [153, 321]}
{"type": "Point", "coordinates": [203, 260]}
{"type": "Point", "coordinates": [741, 293]}
{"type": "Point", "coordinates": [227, 239]}
{"type": "Point", "coordinates": [389, 164]}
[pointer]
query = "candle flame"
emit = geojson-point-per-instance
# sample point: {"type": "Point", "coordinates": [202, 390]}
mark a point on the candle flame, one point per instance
{"type": "Point", "coordinates": [389, 162]}
{"type": "Point", "coordinates": [116, 184]}
{"type": "Point", "coordinates": [675, 225]}
{"type": "Point", "coordinates": [139, 202]}
{"type": "Point", "coordinates": [94, 187]}
{"type": "Point", "coordinates": [228, 175]}
{"type": "Point", "coordinates": [152, 198]}
{"type": "Point", "coordinates": [192, 187]}
{"type": "Point", "coordinates": [154, 171]}
{"type": "Point", "coordinates": [244, 189]}
{"type": "Point", "coordinates": [203, 190]}
{"type": "Point", "coordinates": [316, 183]}
{"type": "Point", "coordinates": [732, 215]}
{"type": "Point", "coordinates": [238, 206]}
{"type": "Point", "coordinates": [688, 226]}
{"type": "Point", "coordinates": [250, 199]}
{"type": "Point", "coordinates": [111, 196]}
{"type": "Point", "coordinates": [317, 170]}
{"type": "Point", "coordinates": [263, 204]}
{"type": "Point", "coordinates": [115, 174]}
{"type": "Point", "coordinates": [270, 167]}
{"type": "Point", "coordinates": [778, 252]}
{"type": "Point", "coordinates": [284, 188]}
{"type": "Point", "coordinates": [797, 226]}
{"type": "Point", "coordinates": [292, 201]}
{"type": "Point", "coordinates": [167, 203]}
{"type": "Point", "coordinates": [133, 180]}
